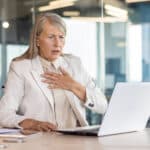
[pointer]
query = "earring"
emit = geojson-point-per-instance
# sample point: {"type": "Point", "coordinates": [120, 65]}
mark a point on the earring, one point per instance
{"type": "Point", "coordinates": [37, 43]}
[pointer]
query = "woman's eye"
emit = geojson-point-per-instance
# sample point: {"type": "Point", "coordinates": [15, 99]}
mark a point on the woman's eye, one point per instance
{"type": "Point", "coordinates": [61, 37]}
{"type": "Point", "coordinates": [51, 37]}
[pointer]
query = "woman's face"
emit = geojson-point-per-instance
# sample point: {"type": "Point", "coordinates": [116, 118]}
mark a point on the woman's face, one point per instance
{"type": "Point", "coordinates": [50, 42]}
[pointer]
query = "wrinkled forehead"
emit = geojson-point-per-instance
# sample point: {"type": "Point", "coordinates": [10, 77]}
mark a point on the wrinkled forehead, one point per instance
{"type": "Point", "coordinates": [58, 24]}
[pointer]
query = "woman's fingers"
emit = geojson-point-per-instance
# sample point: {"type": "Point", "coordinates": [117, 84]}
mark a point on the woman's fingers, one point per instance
{"type": "Point", "coordinates": [55, 80]}
{"type": "Point", "coordinates": [45, 126]}
{"type": "Point", "coordinates": [49, 78]}
{"type": "Point", "coordinates": [48, 75]}
{"type": "Point", "coordinates": [63, 71]}
{"type": "Point", "coordinates": [52, 126]}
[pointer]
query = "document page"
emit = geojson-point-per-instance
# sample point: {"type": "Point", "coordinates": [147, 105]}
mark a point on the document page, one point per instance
{"type": "Point", "coordinates": [14, 133]}
{"type": "Point", "coordinates": [8, 130]}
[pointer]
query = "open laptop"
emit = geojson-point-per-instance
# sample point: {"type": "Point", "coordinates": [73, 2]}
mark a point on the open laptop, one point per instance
{"type": "Point", "coordinates": [128, 111]}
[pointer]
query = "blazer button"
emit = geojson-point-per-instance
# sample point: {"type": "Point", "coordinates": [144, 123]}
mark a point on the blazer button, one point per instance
{"type": "Point", "coordinates": [91, 105]}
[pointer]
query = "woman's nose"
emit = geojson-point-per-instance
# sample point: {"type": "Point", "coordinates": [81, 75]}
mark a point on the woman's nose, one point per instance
{"type": "Point", "coordinates": [57, 41]}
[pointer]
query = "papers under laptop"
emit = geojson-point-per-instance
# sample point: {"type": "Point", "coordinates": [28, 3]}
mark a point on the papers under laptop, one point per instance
{"type": "Point", "coordinates": [128, 111]}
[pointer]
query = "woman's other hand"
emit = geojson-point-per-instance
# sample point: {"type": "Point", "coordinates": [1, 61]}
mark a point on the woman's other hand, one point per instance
{"type": "Point", "coordinates": [31, 124]}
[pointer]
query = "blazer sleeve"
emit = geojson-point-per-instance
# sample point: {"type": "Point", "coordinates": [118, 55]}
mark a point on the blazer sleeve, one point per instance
{"type": "Point", "coordinates": [9, 103]}
{"type": "Point", "coordinates": [95, 99]}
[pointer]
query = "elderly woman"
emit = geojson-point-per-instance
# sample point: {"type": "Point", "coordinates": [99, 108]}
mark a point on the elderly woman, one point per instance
{"type": "Point", "coordinates": [47, 89]}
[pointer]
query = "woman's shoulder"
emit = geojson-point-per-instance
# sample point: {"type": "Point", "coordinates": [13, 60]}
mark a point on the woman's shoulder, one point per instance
{"type": "Point", "coordinates": [20, 63]}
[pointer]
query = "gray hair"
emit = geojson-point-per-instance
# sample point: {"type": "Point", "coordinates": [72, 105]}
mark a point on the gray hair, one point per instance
{"type": "Point", "coordinates": [53, 19]}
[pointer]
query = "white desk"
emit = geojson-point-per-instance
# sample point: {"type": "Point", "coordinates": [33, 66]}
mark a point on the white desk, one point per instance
{"type": "Point", "coordinates": [46, 141]}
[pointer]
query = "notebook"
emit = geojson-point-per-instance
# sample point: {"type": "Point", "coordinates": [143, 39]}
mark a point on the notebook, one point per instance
{"type": "Point", "coordinates": [128, 111]}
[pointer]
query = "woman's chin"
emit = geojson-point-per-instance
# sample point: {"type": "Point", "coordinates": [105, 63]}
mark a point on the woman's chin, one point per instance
{"type": "Point", "coordinates": [54, 57]}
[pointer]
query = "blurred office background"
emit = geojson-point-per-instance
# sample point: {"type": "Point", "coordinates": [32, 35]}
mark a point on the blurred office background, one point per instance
{"type": "Point", "coordinates": [112, 37]}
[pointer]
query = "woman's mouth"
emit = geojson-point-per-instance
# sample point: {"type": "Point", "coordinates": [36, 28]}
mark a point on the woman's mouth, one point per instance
{"type": "Point", "coordinates": [55, 51]}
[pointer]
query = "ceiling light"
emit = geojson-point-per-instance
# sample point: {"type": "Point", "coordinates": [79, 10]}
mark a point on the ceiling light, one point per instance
{"type": "Point", "coordinates": [136, 1]}
{"type": "Point", "coordinates": [116, 12]}
{"type": "Point", "coordinates": [49, 7]}
{"type": "Point", "coordinates": [57, 4]}
{"type": "Point", "coordinates": [100, 19]}
{"type": "Point", "coordinates": [5, 24]}
{"type": "Point", "coordinates": [71, 13]}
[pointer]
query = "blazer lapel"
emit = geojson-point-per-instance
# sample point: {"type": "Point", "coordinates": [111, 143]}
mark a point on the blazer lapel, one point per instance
{"type": "Point", "coordinates": [72, 98]}
{"type": "Point", "coordinates": [76, 109]}
{"type": "Point", "coordinates": [36, 73]}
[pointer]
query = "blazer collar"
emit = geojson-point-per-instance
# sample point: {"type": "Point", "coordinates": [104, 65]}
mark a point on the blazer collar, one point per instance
{"type": "Point", "coordinates": [36, 72]}
{"type": "Point", "coordinates": [60, 62]}
{"type": "Point", "coordinates": [36, 65]}
{"type": "Point", "coordinates": [56, 63]}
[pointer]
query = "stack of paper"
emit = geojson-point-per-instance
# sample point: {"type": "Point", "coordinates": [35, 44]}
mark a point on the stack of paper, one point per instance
{"type": "Point", "coordinates": [7, 132]}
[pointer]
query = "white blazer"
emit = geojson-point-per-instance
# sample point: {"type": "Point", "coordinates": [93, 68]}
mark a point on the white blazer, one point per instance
{"type": "Point", "coordinates": [26, 96]}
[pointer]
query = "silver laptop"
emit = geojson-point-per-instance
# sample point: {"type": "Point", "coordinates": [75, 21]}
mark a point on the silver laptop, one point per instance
{"type": "Point", "coordinates": [128, 111]}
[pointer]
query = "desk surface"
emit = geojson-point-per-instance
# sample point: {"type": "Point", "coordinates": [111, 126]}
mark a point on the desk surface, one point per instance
{"type": "Point", "coordinates": [55, 141]}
